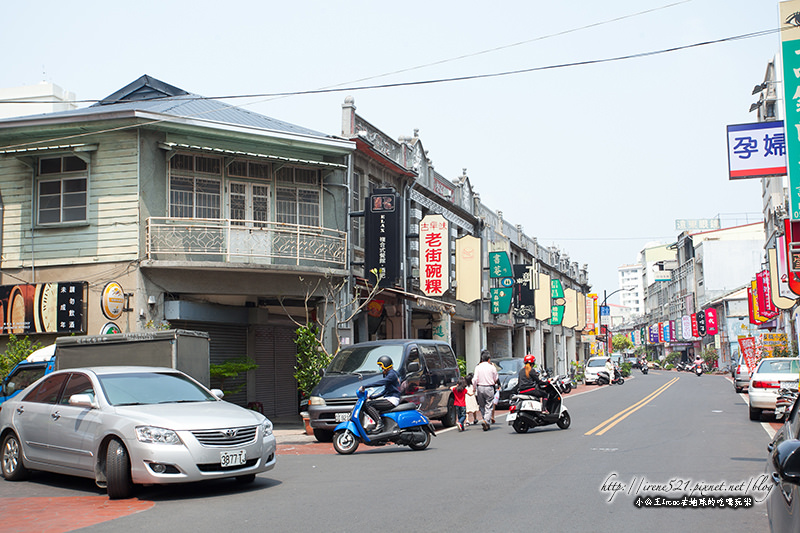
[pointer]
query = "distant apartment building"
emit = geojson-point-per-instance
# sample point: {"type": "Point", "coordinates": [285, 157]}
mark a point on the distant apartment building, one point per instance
{"type": "Point", "coordinates": [35, 100]}
{"type": "Point", "coordinates": [632, 295]}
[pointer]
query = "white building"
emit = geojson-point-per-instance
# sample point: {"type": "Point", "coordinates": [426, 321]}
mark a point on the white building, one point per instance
{"type": "Point", "coordinates": [35, 100]}
{"type": "Point", "coordinates": [632, 295]}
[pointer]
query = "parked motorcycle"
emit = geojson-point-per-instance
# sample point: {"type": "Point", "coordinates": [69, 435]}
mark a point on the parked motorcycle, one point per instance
{"type": "Point", "coordinates": [560, 382]}
{"type": "Point", "coordinates": [603, 378]}
{"type": "Point", "coordinates": [784, 402]}
{"type": "Point", "coordinates": [526, 412]}
{"type": "Point", "coordinates": [404, 425]}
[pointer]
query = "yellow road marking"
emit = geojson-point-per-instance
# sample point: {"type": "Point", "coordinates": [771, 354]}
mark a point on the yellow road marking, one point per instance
{"type": "Point", "coordinates": [622, 415]}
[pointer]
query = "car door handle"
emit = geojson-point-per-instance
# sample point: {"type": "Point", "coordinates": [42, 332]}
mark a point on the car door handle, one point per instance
{"type": "Point", "coordinates": [55, 416]}
{"type": "Point", "coordinates": [770, 447]}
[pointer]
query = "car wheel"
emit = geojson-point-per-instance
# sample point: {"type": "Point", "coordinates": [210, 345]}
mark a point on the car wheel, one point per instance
{"type": "Point", "coordinates": [564, 421]}
{"type": "Point", "coordinates": [12, 465]}
{"type": "Point", "coordinates": [118, 471]}
{"type": "Point", "coordinates": [249, 478]}
{"type": "Point", "coordinates": [323, 435]}
{"type": "Point", "coordinates": [421, 445]}
{"type": "Point", "coordinates": [520, 426]}
{"type": "Point", "coordinates": [449, 420]}
{"type": "Point", "coordinates": [344, 442]}
{"type": "Point", "coordinates": [755, 414]}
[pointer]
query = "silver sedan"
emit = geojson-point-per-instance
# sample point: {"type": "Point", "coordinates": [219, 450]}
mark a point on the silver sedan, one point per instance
{"type": "Point", "coordinates": [131, 425]}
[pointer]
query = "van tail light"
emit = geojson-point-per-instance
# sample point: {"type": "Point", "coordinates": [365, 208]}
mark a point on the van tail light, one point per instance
{"type": "Point", "coordinates": [766, 384]}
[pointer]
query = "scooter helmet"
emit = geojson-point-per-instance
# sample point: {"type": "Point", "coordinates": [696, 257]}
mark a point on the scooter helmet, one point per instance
{"type": "Point", "coordinates": [530, 359]}
{"type": "Point", "coordinates": [385, 362]}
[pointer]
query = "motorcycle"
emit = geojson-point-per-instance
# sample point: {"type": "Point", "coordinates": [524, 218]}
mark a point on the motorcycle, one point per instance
{"type": "Point", "coordinates": [560, 382]}
{"type": "Point", "coordinates": [697, 369]}
{"type": "Point", "coordinates": [526, 412]}
{"type": "Point", "coordinates": [784, 402]}
{"type": "Point", "coordinates": [644, 368]}
{"type": "Point", "coordinates": [404, 425]}
{"type": "Point", "coordinates": [603, 378]}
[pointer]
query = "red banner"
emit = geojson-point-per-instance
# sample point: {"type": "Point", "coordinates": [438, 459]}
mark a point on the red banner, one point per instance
{"type": "Point", "coordinates": [660, 332]}
{"type": "Point", "coordinates": [748, 347]}
{"type": "Point", "coordinates": [712, 327]}
{"type": "Point", "coordinates": [695, 330]}
{"type": "Point", "coordinates": [765, 304]}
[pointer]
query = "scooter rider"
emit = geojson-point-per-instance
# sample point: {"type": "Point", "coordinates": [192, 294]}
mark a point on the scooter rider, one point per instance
{"type": "Point", "coordinates": [529, 382]}
{"type": "Point", "coordinates": [386, 399]}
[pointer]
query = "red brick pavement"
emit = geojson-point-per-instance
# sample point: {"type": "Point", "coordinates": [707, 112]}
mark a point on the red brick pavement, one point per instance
{"type": "Point", "coordinates": [57, 515]}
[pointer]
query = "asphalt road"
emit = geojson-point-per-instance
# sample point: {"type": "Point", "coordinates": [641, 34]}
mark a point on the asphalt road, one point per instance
{"type": "Point", "coordinates": [655, 431]}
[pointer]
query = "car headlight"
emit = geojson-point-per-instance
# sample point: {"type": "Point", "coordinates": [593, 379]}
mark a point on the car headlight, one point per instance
{"type": "Point", "coordinates": [316, 400]}
{"type": "Point", "coordinates": [154, 435]}
{"type": "Point", "coordinates": [266, 427]}
{"type": "Point", "coordinates": [512, 383]}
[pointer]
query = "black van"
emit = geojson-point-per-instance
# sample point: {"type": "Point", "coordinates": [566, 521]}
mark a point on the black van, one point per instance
{"type": "Point", "coordinates": [427, 370]}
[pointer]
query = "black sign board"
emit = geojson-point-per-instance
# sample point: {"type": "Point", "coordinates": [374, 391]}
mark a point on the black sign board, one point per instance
{"type": "Point", "coordinates": [701, 322]}
{"type": "Point", "coordinates": [382, 247]}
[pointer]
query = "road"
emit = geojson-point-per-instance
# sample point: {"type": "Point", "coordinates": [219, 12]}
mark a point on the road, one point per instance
{"type": "Point", "coordinates": [653, 430]}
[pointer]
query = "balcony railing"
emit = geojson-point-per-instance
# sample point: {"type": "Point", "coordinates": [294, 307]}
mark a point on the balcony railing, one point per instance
{"type": "Point", "coordinates": [244, 241]}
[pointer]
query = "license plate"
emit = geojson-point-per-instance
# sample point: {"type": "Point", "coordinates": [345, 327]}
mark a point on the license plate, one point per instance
{"type": "Point", "coordinates": [792, 385]}
{"type": "Point", "coordinates": [235, 458]}
{"type": "Point", "coordinates": [341, 417]}
{"type": "Point", "coordinates": [511, 417]}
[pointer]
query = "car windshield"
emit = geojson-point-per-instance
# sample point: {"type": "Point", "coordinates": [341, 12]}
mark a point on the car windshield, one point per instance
{"type": "Point", "coordinates": [143, 388]}
{"type": "Point", "coordinates": [363, 359]}
{"type": "Point", "coordinates": [779, 367]}
{"type": "Point", "coordinates": [596, 362]}
{"type": "Point", "coordinates": [508, 366]}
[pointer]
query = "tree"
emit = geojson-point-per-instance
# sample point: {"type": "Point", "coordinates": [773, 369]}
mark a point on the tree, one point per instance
{"type": "Point", "coordinates": [620, 343]}
{"type": "Point", "coordinates": [16, 350]}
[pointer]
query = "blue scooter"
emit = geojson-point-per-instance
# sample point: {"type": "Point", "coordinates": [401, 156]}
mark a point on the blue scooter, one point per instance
{"type": "Point", "coordinates": [403, 425]}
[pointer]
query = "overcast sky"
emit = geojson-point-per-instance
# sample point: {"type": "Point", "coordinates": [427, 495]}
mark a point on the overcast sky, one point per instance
{"type": "Point", "coordinates": [598, 159]}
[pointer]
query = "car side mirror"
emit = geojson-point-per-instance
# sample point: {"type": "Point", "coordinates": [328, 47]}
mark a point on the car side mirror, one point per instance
{"type": "Point", "coordinates": [413, 366]}
{"type": "Point", "coordinates": [786, 460]}
{"type": "Point", "coordinates": [218, 393]}
{"type": "Point", "coordinates": [82, 400]}
{"type": "Point", "coordinates": [9, 388]}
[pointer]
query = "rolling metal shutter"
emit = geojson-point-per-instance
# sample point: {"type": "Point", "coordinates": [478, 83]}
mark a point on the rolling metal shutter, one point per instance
{"type": "Point", "coordinates": [276, 355]}
{"type": "Point", "coordinates": [227, 341]}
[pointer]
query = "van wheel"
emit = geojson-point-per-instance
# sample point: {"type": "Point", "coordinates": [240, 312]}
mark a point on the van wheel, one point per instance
{"type": "Point", "coordinates": [449, 420]}
{"type": "Point", "coordinates": [323, 435]}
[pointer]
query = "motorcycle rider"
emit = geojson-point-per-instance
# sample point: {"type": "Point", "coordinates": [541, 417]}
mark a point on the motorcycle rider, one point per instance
{"type": "Point", "coordinates": [386, 399]}
{"type": "Point", "coordinates": [529, 382]}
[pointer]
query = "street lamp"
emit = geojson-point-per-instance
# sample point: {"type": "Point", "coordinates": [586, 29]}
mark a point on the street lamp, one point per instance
{"type": "Point", "coordinates": [603, 306]}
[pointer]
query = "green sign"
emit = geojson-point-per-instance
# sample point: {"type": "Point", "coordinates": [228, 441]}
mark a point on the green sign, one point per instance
{"type": "Point", "coordinates": [500, 265]}
{"type": "Point", "coordinates": [790, 47]}
{"type": "Point", "coordinates": [501, 300]}
{"type": "Point", "coordinates": [558, 302]}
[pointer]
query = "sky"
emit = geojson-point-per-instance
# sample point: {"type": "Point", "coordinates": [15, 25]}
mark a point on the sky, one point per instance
{"type": "Point", "coordinates": [598, 157]}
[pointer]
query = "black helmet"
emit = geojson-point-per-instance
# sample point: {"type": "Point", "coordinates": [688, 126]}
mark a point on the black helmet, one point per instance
{"type": "Point", "coordinates": [385, 362]}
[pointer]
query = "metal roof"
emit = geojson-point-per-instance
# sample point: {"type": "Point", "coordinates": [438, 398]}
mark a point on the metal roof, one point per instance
{"type": "Point", "coordinates": [151, 95]}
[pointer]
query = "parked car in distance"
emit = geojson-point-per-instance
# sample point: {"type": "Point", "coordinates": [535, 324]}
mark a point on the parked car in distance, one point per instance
{"type": "Point", "coordinates": [593, 366]}
{"type": "Point", "coordinates": [770, 375]}
{"type": "Point", "coordinates": [507, 371]}
{"type": "Point", "coordinates": [740, 374]}
{"type": "Point", "coordinates": [128, 425]}
{"type": "Point", "coordinates": [36, 365]}
{"type": "Point", "coordinates": [783, 468]}
{"type": "Point", "coordinates": [427, 369]}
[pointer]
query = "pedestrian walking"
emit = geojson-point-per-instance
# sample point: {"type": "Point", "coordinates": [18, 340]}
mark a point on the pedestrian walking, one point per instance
{"type": "Point", "coordinates": [473, 411]}
{"type": "Point", "coordinates": [460, 401]}
{"type": "Point", "coordinates": [485, 378]}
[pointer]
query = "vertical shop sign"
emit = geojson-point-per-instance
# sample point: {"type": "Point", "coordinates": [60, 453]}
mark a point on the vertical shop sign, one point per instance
{"type": "Point", "coordinates": [686, 326]}
{"type": "Point", "coordinates": [525, 279]}
{"type": "Point", "coordinates": [765, 304]}
{"type": "Point", "coordinates": [557, 302]}
{"type": "Point", "coordinates": [434, 258]}
{"type": "Point", "coordinates": [790, 52]}
{"type": "Point", "coordinates": [382, 246]}
{"type": "Point", "coordinates": [695, 329]}
{"type": "Point", "coordinates": [712, 326]}
{"type": "Point", "coordinates": [468, 269]}
{"type": "Point", "coordinates": [700, 317]}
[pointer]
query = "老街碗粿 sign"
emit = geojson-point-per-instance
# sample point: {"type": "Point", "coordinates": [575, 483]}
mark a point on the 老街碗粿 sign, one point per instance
{"type": "Point", "coordinates": [790, 52]}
